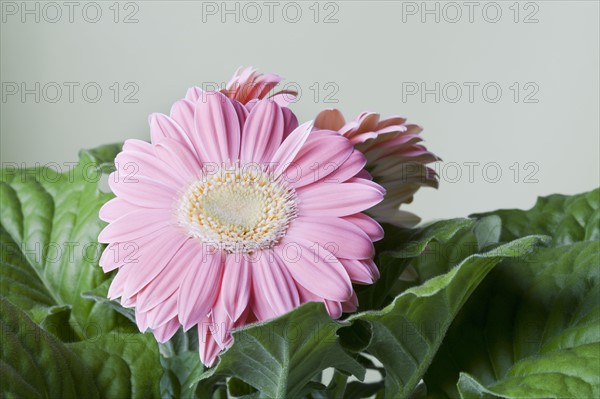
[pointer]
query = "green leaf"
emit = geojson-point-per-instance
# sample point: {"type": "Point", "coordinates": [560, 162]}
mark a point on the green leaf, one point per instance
{"type": "Point", "coordinates": [407, 333]}
{"type": "Point", "coordinates": [34, 364]}
{"type": "Point", "coordinates": [49, 252]}
{"type": "Point", "coordinates": [55, 320]}
{"type": "Point", "coordinates": [357, 390]}
{"type": "Point", "coordinates": [49, 227]}
{"type": "Point", "coordinates": [396, 251]}
{"type": "Point", "coordinates": [19, 281]}
{"type": "Point", "coordinates": [487, 231]}
{"type": "Point", "coordinates": [442, 255]}
{"type": "Point", "coordinates": [238, 387]}
{"type": "Point", "coordinates": [100, 295]}
{"type": "Point", "coordinates": [125, 364]}
{"type": "Point", "coordinates": [182, 367]}
{"type": "Point", "coordinates": [567, 219]}
{"type": "Point", "coordinates": [104, 156]}
{"type": "Point", "coordinates": [533, 327]}
{"type": "Point", "coordinates": [281, 357]}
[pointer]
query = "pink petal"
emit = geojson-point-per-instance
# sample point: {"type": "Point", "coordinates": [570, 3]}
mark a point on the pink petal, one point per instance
{"type": "Point", "coordinates": [315, 268]}
{"type": "Point", "coordinates": [115, 208]}
{"type": "Point", "coordinates": [162, 126]}
{"type": "Point", "coordinates": [323, 153]}
{"type": "Point", "coordinates": [367, 224]}
{"type": "Point", "coordinates": [251, 104]}
{"type": "Point", "coordinates": [308, 296]}
{"type": "Point", "coordinates": [133, 164]}
{"type": "Point", "coordinates": [181, 158]}
{"type": "Point", "coordinates": [199, 288]}
{"type": "Point", "coordinates": [283, 98]}
{"type": "Point", "coordinates": [333, 308]}
{"type": "Point", "coordinates": [142, 191]}
{"type": "Point", "coordinates": [140, 320]}
{"type": "Point", "coordinates": [274, 290]}
{"type": "Point", "coordinates": [262, 133]}
{"type": "Point", "coordinates": [290, 122]}
{"type": "Point", "coordinates": [288, 150]}
{"type": "Point", "coordinates": [217, 137]}
{"type": "Point", "coordinates": [330, 119]}
{"type": "Point", "coordinates": [350, 305]}
{"type": "Point", "coordinates": [362, 137]}
{"type": "Point", "coordinates": [119, 254]}
{"type": "Point", "coordinates": [182, 112]}
{"type": "Point", "coordinates": [349, 169]}
{"type": "Point", "coordinates": [367, 182]}
{"type": "Point", "coordinates": [235, 290]}
{"type": "Point", "coordinates": [363, 174]}
{"type": "Point", "coordinates": [169, 280]}
{"type": "Point", "coordinates": [344, 199]}
{"type": "Point", "coordinates": [241, 111]}
{"type": "Point", "coordinates": [209, 349]}
{"type": "Point", "coordinates": [222, 325]}
{"type": "Point", "coordinates": [129, 302]}
{"type": "Point", "coordinates": [138, 145]}
{"type": "Point", "coordinates": [116, 286]}
{"type": "Point", "coordinates": [163, 312]}
{"type": "Point", "coordinates": [136, 224]}
{"type": "Point", "coordinates": [194, 94]}
{"type": "Point", "coordinates": [166, 331]}
{"type": "Point", "coordinates": [362, 271]}
{"type": "Point", "coordinates": [152, 259]}
{"type": "Point", "coordinates": [340, 237]}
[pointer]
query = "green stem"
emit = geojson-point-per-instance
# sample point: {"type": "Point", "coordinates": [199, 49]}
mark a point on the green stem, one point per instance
{"type": "Point", "coordinates": [338, 384]}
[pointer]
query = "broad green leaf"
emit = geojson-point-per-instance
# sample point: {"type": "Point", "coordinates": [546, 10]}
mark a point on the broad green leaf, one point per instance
{"type": "Point", "coordinates": [395, 253]}
{"type": "Point", "coordinates": [407, 333]}
{"type": "Point", "coordinates": [35, 364]}
{"type": "Point", "coordinates": [18, 280]}
{"type": "Point", "coordinates": [442, 255]}
{"type": "Point", "coordinates": [238, 388]}
{"type": "Point", "coordinates": [567, 219]}
{"type": "Point", "coordinates": [56, 320]}
{"type": "Point", "coordinates": [357, 390]}
{"type": "Point", "coordinates": [125, 364]}
{"type": "Point", "coordinates": [49, 227]}
{"type": "Point", "coordinates": [532, 329]}
{"type": "Point", "coordinates": [48, 234]}
{"type": "Point", "coordinates": [104, 156]}
{"type": "Point", "coordinates": [100, 295]}
{"type": "Point", "coordinates": [281, 357]}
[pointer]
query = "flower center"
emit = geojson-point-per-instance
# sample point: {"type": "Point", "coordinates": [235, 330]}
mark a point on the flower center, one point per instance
{"type": "Point", "coordinates": [238, 208]}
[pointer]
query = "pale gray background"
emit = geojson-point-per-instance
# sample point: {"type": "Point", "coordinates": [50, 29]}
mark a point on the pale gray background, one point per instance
{"type": "Point", "coordinates": [368, 55]}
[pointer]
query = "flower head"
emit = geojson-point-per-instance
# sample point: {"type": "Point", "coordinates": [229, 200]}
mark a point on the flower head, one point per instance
{"type": "Point", "coordinates": [236, 214]}
{"type": "Point", "coordinates": [248, 86]}
{"type": "Point", "coordinates": [395, 159]}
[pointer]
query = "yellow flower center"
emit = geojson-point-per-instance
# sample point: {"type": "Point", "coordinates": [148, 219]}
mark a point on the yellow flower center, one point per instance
{"type": "Point", "coordinates": [238, 208]}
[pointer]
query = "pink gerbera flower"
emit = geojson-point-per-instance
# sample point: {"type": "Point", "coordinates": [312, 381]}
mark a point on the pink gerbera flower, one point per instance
{"type": "Point", "coordinates": [396, 159]}
{"type": "Point", "coordinates": [236, 216]}
{"type": "Point", "coordinates": [248, 86]}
